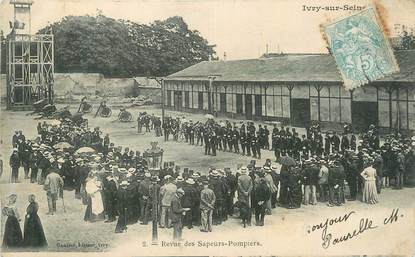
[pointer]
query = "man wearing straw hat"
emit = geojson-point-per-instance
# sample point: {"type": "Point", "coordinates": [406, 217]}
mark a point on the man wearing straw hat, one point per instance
{"type": "Point", "coordinates": [188, 201]}
{"type": "Point", "coordinates": [207, 205]}
{"type": "Point", "coordinates": [143, 189]}
{"type": "Point", "coordinates": [167, 192]}
{"type": "Point", "coordinates": [122, 205]}
{"type": "Point", "coordinates": [177, 213]}
{"type": "Point", "coordinates": [245, 187]}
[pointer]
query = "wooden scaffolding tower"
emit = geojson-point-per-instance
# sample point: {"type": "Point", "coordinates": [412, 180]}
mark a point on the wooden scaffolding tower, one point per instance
{"type": "Point", "coordinates": [30, 66]}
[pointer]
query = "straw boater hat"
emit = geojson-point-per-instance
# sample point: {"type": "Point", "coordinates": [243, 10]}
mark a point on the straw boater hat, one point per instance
{"type": "Point", "coordinates": [167, 177]}
{"type": "Point", "coordinates": [190, 181]}
{"type": "Point", "coordinates": [267, 169]}
{"type": "Point", "coordinates": [214, 173]}
{"type": "Point", "coordinates": [179, 179]}
{"type": "Point", "coordinates": [122, 170]}
{"type": "Point", "coordinates": [124, 183]}
{"type": "Point", "coordinates": [155, 179]}
{"type": "Point", "coordinates": [147, 175]}
{"type": "Point", "coordinates": [243, 169]}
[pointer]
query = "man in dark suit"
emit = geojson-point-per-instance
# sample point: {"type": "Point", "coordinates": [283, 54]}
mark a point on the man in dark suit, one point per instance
{"type": "Point", "coordinates": [177, 213]}
{"type": "Point", "coordinates": [262, 194]}
{"type": "Point", "coordinates": [15, 138]}
{"type": "Point", "coordinates": [15, 165]}
{"type": "Point", "coordinates": [110, 193]}
{"type": "Point", "coordinates": [335, 142]}
{"type": "Point", "coordinates": [345, 143]}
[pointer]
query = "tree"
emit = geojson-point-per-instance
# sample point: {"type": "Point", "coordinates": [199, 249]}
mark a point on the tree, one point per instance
{"type": "Point", "coordinates": [121, 48]}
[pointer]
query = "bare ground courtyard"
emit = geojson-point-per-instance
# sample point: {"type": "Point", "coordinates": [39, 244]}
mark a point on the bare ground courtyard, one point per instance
{"type": "Point", "coordinates": [64, 229]}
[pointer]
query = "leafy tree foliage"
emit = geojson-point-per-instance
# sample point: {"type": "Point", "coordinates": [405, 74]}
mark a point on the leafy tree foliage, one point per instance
{"type": "Point", "coordinates": [122, 48]}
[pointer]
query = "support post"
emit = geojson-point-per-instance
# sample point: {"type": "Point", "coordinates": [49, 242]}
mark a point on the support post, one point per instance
{"type": "Point", "coordinates": [160, 81]}
{"type": "Point", "coordinates": [155, 215]}
{"type": "Point", "coordinates": [318, 88]}
{"type": "Point", "coordinates": [351, 104]}
{"type": "Point", "coordinates": [162, 101]}
{"type": "Point", "coordinates": [290, 88]}
{"type": "Point", "coordinates": [390, 90]}
{"type": "Point", "coordinates": [209, 92]}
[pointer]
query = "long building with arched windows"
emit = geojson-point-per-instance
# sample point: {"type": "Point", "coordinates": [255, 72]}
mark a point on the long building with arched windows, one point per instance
{"type": "Point", "coordinates": [294, 89]}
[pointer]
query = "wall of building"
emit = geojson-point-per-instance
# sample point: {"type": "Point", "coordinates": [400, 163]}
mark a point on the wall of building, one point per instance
{"type": "Point", "coordinates": [333, 101]}
{"type": "Point", "coordinates": [75, 85]}
{"type": "Point", "coordinates": [154, 93]}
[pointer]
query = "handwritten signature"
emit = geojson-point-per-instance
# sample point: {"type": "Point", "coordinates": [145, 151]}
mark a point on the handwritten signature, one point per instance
{"type": "Point", "coordinates": [365, 224]}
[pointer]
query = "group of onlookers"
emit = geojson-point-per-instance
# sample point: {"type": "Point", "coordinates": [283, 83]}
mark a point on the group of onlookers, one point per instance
{"type": "Point", "coordinates": [116, 184]}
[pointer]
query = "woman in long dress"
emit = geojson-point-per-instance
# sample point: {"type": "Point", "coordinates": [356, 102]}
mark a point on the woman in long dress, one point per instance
{"type": "Point", "coordinates": [34, 235]}
{"type": "Point", "coordinates": [370, 194]}
{"type": "Point", "coordinates": [12, 237]}
{"type": "Point", "coordinates": [95, 208]}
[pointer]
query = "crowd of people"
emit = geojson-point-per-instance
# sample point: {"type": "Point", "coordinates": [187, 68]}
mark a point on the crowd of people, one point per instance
{"type": "Point", "coordinates": [116, 184]}
{"type": "Point", "coordinates": [223, 136]}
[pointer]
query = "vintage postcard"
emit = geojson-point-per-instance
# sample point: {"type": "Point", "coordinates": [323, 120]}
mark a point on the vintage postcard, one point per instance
{"type": "Point", "coordinates": [207, 128]}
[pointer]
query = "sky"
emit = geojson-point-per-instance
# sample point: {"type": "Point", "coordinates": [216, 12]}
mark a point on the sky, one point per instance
{"type": "Point", "coordinates": [241, 28]}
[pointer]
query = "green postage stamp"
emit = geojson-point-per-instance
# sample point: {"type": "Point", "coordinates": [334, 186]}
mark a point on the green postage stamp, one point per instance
{"type": "Point", "coordinates": [360, 48]}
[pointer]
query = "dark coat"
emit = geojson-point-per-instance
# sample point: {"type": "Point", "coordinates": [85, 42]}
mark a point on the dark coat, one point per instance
{"type": "Point", "coordinates": [336, 175]}
{"type": "Point", "coordinates": [311, 175]}
{"type": "Point", "coordinates": [189, 197]}
{"type": "Point", "coordinates": [177, 210]}
{"type": "Point", "coordinates": [218, 187]}
{"type": "Point", "coordinates": [34, 235]}
{"type": "Point", "coordinates": [15, 160]}
{"type": "Point", "coordinates": [12, 233]}
{"type": "Point", "coordinates": [262, 192]}
{"type": "Point", "coordinates": [122, 204]}
{"type": "Point", "coordinates": [345, 143]}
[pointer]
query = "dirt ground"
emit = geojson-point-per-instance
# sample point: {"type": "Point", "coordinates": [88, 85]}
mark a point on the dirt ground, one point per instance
{"type": "Point", "coordinates": [67, 228]}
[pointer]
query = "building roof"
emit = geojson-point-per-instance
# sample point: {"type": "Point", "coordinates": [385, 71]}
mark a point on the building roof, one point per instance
{"type": "Point", "coordinates": [23, 2]}
{"type": "Point", "coordinates": [286, 67]}
{"type": "Point", "coordinates": [146, 82]}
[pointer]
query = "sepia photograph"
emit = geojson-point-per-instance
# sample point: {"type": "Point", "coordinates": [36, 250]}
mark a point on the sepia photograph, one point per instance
{"type": "Point", "coordinates": [207, 128]}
